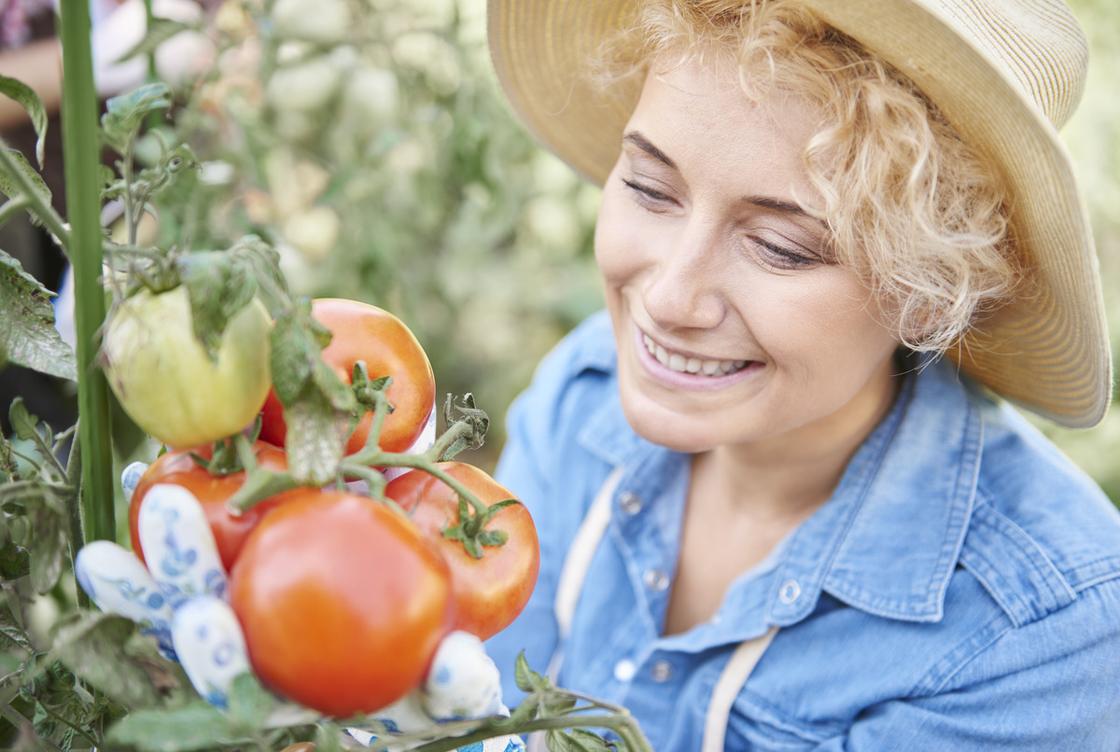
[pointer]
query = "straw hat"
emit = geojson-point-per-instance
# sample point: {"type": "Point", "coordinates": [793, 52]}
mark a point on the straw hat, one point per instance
{"type": "Point", "coordinates": [1006, 73]}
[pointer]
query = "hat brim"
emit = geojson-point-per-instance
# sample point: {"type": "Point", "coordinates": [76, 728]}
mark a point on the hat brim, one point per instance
{"type": "Point", "coordinates": [1047, 349]}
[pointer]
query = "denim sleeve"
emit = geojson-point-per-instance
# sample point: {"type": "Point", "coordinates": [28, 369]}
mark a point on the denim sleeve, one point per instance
{"type": "Point", "coordinates": [1049, 686]}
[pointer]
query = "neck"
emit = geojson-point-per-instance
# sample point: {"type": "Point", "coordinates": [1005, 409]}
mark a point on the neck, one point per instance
{"type": "Point", "coordinates": [781, 480]}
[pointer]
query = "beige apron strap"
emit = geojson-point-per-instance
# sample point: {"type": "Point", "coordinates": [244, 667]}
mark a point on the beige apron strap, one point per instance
{"type": "Point", "coordinates": [572, 576]}
{"type": "Point", "coordinates": [577, 562]}
{"type": "Point", "coordinates": [731, 681]}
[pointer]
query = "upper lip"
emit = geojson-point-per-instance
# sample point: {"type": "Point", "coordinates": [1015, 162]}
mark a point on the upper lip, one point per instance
{"type": "Point", "coordinates": [685, 351]}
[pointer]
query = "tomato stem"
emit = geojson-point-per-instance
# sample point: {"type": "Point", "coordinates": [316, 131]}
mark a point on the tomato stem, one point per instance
{"type": "Point", "coordinates": [457, 431]}
{"type": "Point", "coordinates": [620, 724]}
{"type": "Point", "coordinates": [421, 462]}
{"type": "Point", "coordinates": [83, 243]}
{"type": "Point", "coordinates": [381, 409]}
{"type": "Point", "coordinates": [259, 485]}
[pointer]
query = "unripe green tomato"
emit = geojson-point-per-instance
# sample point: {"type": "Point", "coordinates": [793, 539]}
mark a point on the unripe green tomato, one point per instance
{"type": "Point", "coordinates": [167, 383]}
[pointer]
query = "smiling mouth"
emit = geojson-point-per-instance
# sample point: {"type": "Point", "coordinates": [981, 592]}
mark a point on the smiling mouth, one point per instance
{"type": "Point", "coordinates": [681, 363]}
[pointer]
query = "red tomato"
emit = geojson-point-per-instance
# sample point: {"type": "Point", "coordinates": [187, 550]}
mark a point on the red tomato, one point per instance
{"type": "Point", "coordinates": [364, 332]}
{"type": "Point", "coordinates": [212, 491]}
{"type": "Point", "coordinates": [342, 600]}
{"type": "Point", "coordinates": [489, 592]}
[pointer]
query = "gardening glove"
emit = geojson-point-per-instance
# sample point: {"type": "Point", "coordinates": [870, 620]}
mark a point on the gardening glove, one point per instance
{"type": "Point", "coordinates": [181, 598]}
{"type": "Point", "coordinates": [463, 683]}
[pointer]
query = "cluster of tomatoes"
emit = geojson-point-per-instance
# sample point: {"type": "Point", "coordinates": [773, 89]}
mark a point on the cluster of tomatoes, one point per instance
{"type": "Point", "coordinates": [343, 600]}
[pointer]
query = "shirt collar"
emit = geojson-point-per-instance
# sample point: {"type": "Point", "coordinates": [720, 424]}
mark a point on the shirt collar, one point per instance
{"type": "Point", "coordinates": [888, 540]}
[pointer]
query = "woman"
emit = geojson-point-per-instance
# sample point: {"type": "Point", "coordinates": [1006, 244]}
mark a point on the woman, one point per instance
{"type": "Point", "coordinates": [772, 514]}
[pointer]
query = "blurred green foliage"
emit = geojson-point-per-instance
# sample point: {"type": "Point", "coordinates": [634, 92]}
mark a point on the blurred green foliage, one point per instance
{"type": "Point", "coordinates": [372, 144]}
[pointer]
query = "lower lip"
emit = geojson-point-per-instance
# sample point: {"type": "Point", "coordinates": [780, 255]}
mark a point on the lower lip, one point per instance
{"type": "Point", "coordinates": [669, 377]}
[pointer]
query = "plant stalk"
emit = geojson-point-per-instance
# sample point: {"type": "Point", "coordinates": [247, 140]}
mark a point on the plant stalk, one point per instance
{"type": "Point", "coordinates": [635, 741]}
{"type": "Point", "coordinates": [83, 197]}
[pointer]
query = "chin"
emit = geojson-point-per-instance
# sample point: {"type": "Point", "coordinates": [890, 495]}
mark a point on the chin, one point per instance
{"type": "Point", "coordinates": [659, 425]}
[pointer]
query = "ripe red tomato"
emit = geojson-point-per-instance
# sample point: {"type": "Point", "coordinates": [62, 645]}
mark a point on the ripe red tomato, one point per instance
{"type": "Point", "coordinates": [364, 332]}
{"type": "Point", "coordinates": [342, 600]}
{"type": "Point", "coordinates": [489, 592]}
{"type": "Point", "coordinates": [212, 491]}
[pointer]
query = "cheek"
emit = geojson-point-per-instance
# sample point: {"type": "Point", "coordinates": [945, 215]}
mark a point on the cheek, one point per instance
{"type": "Point", "coordinates": [823, 327]}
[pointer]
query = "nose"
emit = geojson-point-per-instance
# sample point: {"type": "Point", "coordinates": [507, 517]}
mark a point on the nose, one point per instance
{"type": "Point", "coordinates": [684, 289]}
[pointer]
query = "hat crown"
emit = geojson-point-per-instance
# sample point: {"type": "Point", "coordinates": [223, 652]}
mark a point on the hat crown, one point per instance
{"type": "Point", "coordinates": [1038, 45]}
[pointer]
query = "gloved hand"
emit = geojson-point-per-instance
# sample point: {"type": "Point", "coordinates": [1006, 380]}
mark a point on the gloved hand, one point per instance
{"type": "Point", "coordinates": [182, 602]}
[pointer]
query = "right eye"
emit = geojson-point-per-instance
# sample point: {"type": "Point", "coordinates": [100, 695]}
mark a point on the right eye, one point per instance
{"type": "Point", "coordinates": [647, 196]}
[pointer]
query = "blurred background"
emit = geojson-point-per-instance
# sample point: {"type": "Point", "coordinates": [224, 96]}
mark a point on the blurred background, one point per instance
{"type": "Point", "coordinates": [368, 140]}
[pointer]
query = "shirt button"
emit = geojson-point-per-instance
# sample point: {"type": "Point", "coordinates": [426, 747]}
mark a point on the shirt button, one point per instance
{"type": "Point", "coordinates": [630, 502]}
{"type": "Point", "coordinates": [661, 671]}
{"type": "Point", "coordinates": [790, 591]}
{"type": "Point", "coordinates": [656, 580]}
{"type": "Point", "coordinates": [624, 670]}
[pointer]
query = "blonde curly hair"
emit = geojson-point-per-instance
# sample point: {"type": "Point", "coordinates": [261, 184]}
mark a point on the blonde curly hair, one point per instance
{"type": "Point", "coordinates": [915, 211]}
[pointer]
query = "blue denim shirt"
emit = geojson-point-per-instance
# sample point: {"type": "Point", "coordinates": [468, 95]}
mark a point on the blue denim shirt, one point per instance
{"type": "Point", "coordinates": [959, 591]}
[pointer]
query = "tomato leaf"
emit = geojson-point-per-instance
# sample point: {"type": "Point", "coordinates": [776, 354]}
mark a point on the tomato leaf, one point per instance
{"type": "Point", "coordinates": [93, 647]}
{"type": "Point", "coordinates": [48, 549]}
{"type": "Point", "coordinates": [315, 440]}
{"type": "Point", "coordinates": [191, 727]}
{"type": "Point", "coordinates": [125, 113]}
{"type": "Point", "coordinates": [10, 186]}
{"type": "Point", "coordinates": [15, 561]}
{"type": "Point", "coordinates": [264, 263]}
{"type": "Point", "coordinates": [575, 740]}
{"type": "Point", "coordinates": [526, 678]}
{"type": "Point", "coordinates": [23, 422]}
{"type": "Point", "coordinates": [249, 704]}
{"type": "Point", "coordinates": [327, 738]}
{"type": "Point", "coordinates": [26, 96]}
{"type": "Point", "coordinates": [27, 333]}
{"type": "Point", "coordinates": [218, 286]}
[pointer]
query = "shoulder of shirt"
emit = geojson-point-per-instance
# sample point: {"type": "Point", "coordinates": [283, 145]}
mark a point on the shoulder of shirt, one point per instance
{"type": "Point", "coordinates": [589, 346]}
{"type": "Point", "coordinates": [1041, 530]}
{"type": "Point", "coordinates": [572, 385]}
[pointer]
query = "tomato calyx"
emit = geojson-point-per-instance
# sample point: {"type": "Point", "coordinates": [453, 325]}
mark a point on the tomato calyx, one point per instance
{"type": "Point", "coordinates": [231, 454]}
{"type": "Point", "coordinates": [471, 530]}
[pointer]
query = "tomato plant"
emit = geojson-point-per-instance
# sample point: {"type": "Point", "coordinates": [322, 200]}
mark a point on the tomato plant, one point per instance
{"type": "Point", "coordinates": [342, 600]}
{"type": "Point", "coordinates": [364, 332]}
{"type": "Point", "coordinates": [490, 591]}
{"type": "Point", "coordinates": [212, 491]}
{"type": "Point", "coordinates": [166, 381]}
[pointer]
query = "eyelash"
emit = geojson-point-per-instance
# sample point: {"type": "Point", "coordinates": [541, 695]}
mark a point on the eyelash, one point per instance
{"type": "Point", "coordinates": [785, 258]}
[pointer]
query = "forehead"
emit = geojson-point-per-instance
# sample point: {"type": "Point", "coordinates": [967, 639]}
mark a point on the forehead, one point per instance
{"type": "Point", "coordinates": [698, 114]}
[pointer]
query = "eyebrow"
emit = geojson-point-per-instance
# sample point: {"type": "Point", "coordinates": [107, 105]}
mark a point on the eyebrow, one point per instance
{"type": "Point", "coordinates": [763, 202]}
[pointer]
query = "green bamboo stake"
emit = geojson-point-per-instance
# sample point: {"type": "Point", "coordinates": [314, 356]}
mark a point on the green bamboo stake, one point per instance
{"type": "Point", "coordinates": [81, 150]}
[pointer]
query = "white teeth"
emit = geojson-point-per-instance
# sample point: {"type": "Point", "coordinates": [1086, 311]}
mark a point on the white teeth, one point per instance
{"type": "Point", "coordinates": [678, 362]}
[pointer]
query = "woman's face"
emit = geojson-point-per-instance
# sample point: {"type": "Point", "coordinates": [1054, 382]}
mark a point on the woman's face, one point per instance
{"type": "Point", "coordinates": [709, 263]}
